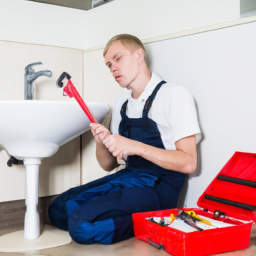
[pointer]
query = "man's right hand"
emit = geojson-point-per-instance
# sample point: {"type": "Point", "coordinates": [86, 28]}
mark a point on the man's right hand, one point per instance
{"type": "Point", "coordinates": [106, 160]}
{"type": "Point", "coordinates": [99, 132]}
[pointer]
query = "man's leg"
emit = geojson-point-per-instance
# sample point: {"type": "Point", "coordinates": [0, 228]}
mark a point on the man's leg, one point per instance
{"type": "Point", "coordinates": [58, 211]}
{"type": "Point", "coordinates": [108, 219]}
{"type": "Point", "coordinates": [75, 198]}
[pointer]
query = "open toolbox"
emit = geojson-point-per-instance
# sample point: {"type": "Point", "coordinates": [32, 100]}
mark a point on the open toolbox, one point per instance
{"type": "Point", "coordinates": [233, 191]}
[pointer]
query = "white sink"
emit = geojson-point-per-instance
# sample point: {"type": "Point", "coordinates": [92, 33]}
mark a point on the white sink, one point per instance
{"type": "Point", "coordinates": [33, 130]}
{"type": "Point", "coordinates": [36, 129]}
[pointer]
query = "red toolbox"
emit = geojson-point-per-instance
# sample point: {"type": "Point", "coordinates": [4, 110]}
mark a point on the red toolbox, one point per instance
{"type": "Point", "coordinates": [233, 191]}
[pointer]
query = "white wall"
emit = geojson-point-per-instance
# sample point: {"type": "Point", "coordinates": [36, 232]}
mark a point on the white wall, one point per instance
{"type": "Point", "coordinates": [151, 18]}
{"type": "Point", "coordinates": [37, 23]}
{"type": "Point", "coordinates": [145, 19]}
{"type": "Point", "coordinates": [218, 68]}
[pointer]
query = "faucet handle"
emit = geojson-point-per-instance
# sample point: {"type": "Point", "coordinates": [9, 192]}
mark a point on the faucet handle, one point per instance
{"type": "Point", "coordinates": [28, 68]}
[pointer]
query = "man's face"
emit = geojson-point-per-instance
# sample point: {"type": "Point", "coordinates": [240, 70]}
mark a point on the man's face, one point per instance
{"type": "Point", "coordinates": [123, 64]}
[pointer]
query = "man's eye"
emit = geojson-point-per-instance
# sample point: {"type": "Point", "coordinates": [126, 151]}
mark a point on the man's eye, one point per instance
{"type": "Point", "coordinates": [118, 58]}
{"type": "Point", "coordinates": [109, 66]}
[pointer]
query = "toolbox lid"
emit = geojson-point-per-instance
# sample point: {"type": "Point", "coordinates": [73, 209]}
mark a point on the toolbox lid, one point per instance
{"type": "Point", "coordinates": [233, 190]}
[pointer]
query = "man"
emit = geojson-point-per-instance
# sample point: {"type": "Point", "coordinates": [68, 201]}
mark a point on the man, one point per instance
{"type": "Point", "coordinates": [154, 124]}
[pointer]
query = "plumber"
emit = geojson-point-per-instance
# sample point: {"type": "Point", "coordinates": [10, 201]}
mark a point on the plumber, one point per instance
{"type": "Point", "coordinates": [154, 126]}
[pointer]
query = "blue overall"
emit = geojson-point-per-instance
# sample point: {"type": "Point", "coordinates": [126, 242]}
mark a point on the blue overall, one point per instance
{"type": "Point", "coordinates": [101, 211]}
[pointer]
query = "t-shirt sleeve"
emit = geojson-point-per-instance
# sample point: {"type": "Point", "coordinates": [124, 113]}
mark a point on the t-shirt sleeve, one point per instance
{"type": "Point", "coordinates": [183, 115]}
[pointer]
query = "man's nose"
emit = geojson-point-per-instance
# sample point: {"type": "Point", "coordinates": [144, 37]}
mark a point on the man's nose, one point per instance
{"type": "Point", "coordinates": [113, 68]}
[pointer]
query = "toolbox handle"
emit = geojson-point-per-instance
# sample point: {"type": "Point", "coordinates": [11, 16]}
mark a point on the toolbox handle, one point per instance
{"type": "Point", "coordinates": [158, 246]}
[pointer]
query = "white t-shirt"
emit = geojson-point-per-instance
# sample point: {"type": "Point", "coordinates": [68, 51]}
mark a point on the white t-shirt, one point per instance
{"type": "Point", "coordinates": [173, 110]}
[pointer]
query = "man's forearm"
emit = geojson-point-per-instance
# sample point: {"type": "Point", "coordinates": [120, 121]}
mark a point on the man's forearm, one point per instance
{"type": "Point", "coordinates": [183, 159]}
{"type": "Point", "coordinates": [175, 160]}
{"type": "Point", "coordinates": [106, 160]}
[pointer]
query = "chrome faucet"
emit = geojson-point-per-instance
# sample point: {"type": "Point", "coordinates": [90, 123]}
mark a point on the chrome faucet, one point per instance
{"type": "Point", "coordinates": [29, 77]}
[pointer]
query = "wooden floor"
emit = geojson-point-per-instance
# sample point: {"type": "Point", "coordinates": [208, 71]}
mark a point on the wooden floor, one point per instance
{"type": "Point", "coordinates": [130, 247]}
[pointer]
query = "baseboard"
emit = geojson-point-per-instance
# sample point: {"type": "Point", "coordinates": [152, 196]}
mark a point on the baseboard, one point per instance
{"type": "Point", "coordinates": [12, 213]}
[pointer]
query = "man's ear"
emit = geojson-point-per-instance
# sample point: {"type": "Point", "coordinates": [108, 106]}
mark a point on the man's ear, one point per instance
{"type": "Point", "coordinates": [140, 55]}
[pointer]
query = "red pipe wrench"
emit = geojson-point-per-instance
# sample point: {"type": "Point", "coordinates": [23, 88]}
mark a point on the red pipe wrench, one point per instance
{"type": "Point", "coordinates": [71, 91]}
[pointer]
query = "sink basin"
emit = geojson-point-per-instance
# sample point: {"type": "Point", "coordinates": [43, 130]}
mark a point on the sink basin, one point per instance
{"type": "Point", "coordinates": [36, 129]}
{"type": "Point", "coordinates": [33, 130]}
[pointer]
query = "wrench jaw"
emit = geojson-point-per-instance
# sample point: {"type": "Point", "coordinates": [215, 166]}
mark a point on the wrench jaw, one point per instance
{"type": "Point", "coordinates": [71, 91]}
{"type": "Point", "coordinates": [64, 75]}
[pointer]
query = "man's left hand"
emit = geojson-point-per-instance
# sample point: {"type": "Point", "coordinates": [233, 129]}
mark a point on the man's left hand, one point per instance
{"type": "Point", "coordinates": [120, 146]}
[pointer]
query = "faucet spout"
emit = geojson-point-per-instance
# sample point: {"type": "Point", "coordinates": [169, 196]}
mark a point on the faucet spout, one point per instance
{"type": "Point", "coordinates": [46, 73]}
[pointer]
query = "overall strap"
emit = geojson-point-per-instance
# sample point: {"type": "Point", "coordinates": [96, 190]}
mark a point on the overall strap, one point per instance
{"type": "Point", "coordinates": [123, 108]}
{"type": "Point", "coordinates": [150, 99]}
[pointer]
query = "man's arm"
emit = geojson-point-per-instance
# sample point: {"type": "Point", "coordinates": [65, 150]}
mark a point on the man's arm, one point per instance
{"type": "Point", "coordinates": [106, 160]}
{"type": "Point", "coordinates": [183, 159]}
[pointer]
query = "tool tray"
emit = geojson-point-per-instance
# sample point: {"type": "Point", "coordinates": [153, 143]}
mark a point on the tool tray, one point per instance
{"type": "Point", "coordinates": [233, 191]}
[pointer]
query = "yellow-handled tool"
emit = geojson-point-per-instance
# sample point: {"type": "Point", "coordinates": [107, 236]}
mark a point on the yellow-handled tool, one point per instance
{"type": "Point", "coordinates": [197, 218]}
{"type": "Point", "coordinates": [172, 217]}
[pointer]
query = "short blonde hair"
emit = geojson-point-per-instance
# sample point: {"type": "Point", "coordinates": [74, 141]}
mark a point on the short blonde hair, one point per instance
{"type": "Point", "coordinates": [132, 43]}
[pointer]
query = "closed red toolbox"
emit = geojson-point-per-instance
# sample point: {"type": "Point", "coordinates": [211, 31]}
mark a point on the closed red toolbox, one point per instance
{"type": "Point", "coordinates": [233, 191]}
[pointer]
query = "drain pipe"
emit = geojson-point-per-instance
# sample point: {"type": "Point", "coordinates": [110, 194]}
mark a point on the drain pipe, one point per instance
{"type": "Point", "coordinates": [13, 160]}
